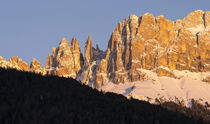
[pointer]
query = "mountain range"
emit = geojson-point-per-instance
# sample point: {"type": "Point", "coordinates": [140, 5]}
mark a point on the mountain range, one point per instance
{"type": "Point", "coordinates": [147, 57]}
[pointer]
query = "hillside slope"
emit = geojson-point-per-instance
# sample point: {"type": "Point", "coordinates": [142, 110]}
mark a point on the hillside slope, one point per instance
{"type": "Point", "coordinates": [27, 98]}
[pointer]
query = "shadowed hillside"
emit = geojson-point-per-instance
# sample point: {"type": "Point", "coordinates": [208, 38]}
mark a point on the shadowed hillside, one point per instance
{"type": "Point", "coordinates": [27, 98]}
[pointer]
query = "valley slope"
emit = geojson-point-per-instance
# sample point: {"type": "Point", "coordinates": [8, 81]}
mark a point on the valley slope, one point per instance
{"type": "Point", "coordinates": [28, 98]}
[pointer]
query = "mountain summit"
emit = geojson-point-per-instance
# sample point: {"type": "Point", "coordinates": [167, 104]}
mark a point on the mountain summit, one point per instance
{"type": "Point", "coordinates": [137, 43]}
{"type": "Point", "coordinates": [139, 48]}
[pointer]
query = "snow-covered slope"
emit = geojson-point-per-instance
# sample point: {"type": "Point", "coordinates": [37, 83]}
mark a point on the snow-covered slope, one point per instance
{"type": "Point", "coordinates": [164, 88]}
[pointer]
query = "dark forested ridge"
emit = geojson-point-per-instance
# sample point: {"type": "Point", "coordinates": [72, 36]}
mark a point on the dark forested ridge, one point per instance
{"type": "Point", "coordinates": [27, 98]}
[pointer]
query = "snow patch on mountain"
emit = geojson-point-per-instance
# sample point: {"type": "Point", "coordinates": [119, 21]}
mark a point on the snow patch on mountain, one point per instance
{"type": "Point", "coordinates": [165, 88]}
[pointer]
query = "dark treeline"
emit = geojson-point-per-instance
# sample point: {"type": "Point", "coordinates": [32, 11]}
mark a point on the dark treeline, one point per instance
{"type": "Point", "coordinates": [196, 111]}
{"type": "Point", "coordinates": [27, 98]}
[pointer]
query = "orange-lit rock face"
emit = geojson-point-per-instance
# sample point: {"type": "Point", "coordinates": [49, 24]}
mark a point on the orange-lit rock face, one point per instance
{"type": "Point", "coordinates": [194, 19]}
{"type": "Point", "coordinates": [149, 43]}
{"type": "Point", "coordinates": [207, 19]}
{"type": "Point", "coordinates": [148, 28]}
{"type": "Point", "coordinates": [66, 60]}
{"type": "Point", "coordinates": [35, 67]}
{"type": "Point", "coordinates": [144, 42]}
{"type": "Point", "coordinates": [15, 63]}
{"type": "Point", "coordinates": [166, 31]}
{"type": "Point", "coordinates": [3, 62]}
{"type": "Point", "coordinates": [89, 73]}
{"type": "Point", "coordinates": [20, 63]}
{"type": "Point", "coordinates": [88, 51]}
{"type": "Point", "coordinates": [137, 43]}
{"type": "Point", "coordinates": [204, 50]}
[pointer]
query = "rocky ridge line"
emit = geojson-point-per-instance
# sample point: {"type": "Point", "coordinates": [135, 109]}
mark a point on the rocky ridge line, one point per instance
{"type": "Point", "coordinates": [144, 42]}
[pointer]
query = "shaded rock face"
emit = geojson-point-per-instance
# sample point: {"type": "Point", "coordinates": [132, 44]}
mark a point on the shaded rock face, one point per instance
{"type": "Point", "coordinates": [92, 53]}
{"type": "Point", "coordinates": [35, 67]}
{"type": "Point", "coordinates": [65, 60]}
{"type": "Point", "coordinates": [15, 63]}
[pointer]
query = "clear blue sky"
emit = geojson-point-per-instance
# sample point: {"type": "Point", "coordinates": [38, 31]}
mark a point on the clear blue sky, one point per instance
{"type": "Point", "coordinates": [29, 29]}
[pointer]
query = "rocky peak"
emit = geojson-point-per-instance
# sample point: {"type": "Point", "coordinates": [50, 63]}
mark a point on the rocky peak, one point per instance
{"type": "Point", "coordinates": [65, 60]}
{"type": "Point", "coordinates": [74, 45]}
{"type": "Point", "coordinates": [98, 54]}
{"type": "Point", "coordinates": [77, 56]}
{"type": "Point", "coordinates": [152, 43]}
{"type": "Point", "coordinates": [166, 32]}
{"type": "Point", "coordinates": [194, 19]}
{"type": "Point", "coordinates": [19, 63]}
{"type": "Point", "coordinates": [63, 43]}
{"type": "Point", "coordinates": [35, 67]}
{"type": "Point", "coordinates": [15, 63]}
{"type": "Point", "coordinates": [194, 22]}
{"type": "Point", "coordinates": [148, 28]}
{"type": "Point", "coordinates": [133, 23]}
{"type": "Point", "coordinates": [88, 50]}
{"type": "Point", "coordinates": [3, 62]}
{"type": "Point", "coordinates": [48, 62]}
{"type": "Point", "coordinates": [119, 27]}
{"type": "Point", "coordinates": [137, 43]}
{"type": "Point", "coordinates": [2, 59]}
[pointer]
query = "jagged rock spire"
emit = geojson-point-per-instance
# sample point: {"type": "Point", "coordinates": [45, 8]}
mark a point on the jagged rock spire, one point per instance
{"type": "Point", "coordinates": [65, 60]}
{"type": "Point", "coordinates": [77, 55]}
{"type": "Point", "coordinates": [20, 63]}
{"type": "Point", "coordinates": [137, 43]}
{"type": "Point", "coordinates": [63, 43]}
{"type": "Point", "coordinates": [88, 50]}
{"type": "Point", "coordinates": [15, 63]}
{"type": "Point", "coordinates": [35, 66]}
{"type": "Point", "coordinates": [48, 62]}
{"type": "Point", "coordinates": [143, 42]}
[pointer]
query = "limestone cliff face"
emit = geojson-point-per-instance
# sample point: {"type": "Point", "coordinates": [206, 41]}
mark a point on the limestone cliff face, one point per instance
{"type": "Point", "coordinates": [19, 64]}
{"type": "Point", "coordinates": [88, 51]}
{"type": "Point", "coordinates": [93, 56]}
{"type": "Point", "coordinates": [15, 63]}
{"type": "Point", "coordinates": [35, 67]}
{"type": "Point", "coordinates": [151, 43]}
{"type": "Point", "coordinates": [66, 60]}
{"type": "Point", "coordinates": [3, 62]}
{"type": "Point", "coordinates": [137, 43]}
